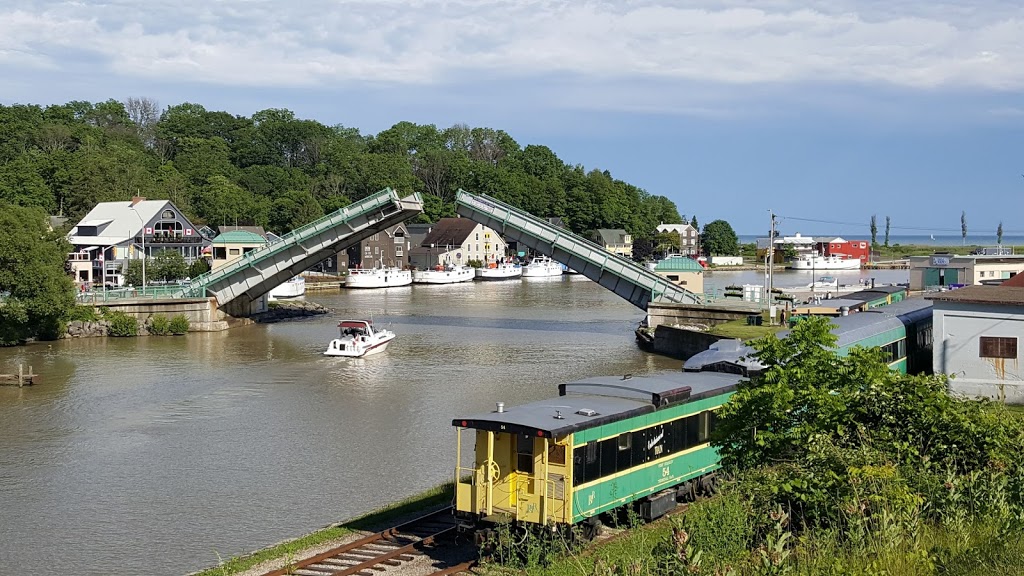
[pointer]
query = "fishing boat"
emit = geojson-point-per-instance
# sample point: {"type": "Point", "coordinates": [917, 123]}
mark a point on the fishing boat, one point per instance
{"type": "Point", "coordinates": [499, 271]}
{"type": "Point", "coordinates": [293, 288]}
{"type": "Point", "coordinates": [449, 274]}
{"type": "Point", "coordinates": [825, 282]}
{"type": "Point", "coordinates": [542, 266]}
{"type": "Point", "coordinates": [359, 338]}
{"type": "Point", "coordinates": [383, 277]}
{"type": "Point", "coordinates": [818, 262]}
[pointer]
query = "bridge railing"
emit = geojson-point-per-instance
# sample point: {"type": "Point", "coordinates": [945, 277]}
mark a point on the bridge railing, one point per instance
{"type": "Point", "coordinates": [105, 295]}
{"type": "Point", "coordinates": [373, 202]}
{"type": "Point", "coordinates": [571, 243]}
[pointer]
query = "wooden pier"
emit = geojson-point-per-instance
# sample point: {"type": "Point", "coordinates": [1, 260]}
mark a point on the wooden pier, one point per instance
{"type": "Point", "coordinates": [20, 379]}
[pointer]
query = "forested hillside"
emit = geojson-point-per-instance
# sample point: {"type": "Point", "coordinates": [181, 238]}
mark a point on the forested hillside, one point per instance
{"type": "Point", "coordinates": [278, 171]}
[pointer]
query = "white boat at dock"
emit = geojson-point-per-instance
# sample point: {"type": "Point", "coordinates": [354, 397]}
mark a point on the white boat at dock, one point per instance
{"type": "Point", "coordinates": [499, 271]}
{"type": "Point", "coordinates": [825, 282]}
{"type": "Point", "coordinates": [818, 262]}
{"type": "Point", "coordinates": [542, 266]}
{"type": "Point", "coordinates": [292, 288]}
{"type": "Point", "coordinates": [377, 277]}
{"type": "Point", "coordinates": [449, 274]}
{"type": "Point", "coordinates": [359, 338]}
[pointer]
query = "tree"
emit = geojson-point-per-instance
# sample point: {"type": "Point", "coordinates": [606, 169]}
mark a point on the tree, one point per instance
{"type": "Point", "coordinates": [999, 233]}
{"type": "Point", "coordinates": [40, 294]}
{"type": "Point", "coordinates": [874, 230]}
{"type": "Point", "coordinates": [168, 265]}
{"type": "Point", "coordinates": [719, 238]}
{"type": "Point", "coordinates": [963, 226]}
{"type": "Point", "coordinates": [665, 243]}
{"type": "Point", "coordinates": [132, 272]}
{"type": "Point", "coordinates": [887, 223]}
{"type": "Point", "coordinates": [693, 222]}
{"type": "Point", "coordinates": [144, 114]}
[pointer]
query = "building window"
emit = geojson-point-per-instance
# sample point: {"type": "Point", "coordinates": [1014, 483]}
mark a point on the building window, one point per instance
{"type": "Point", "coordinates": [477, 235]}
{"type": "Point", "coordinates": [398, 251]}
{"type": "Point", "coordinates": [168, 214]}
{"type": "Point", "coordinates": [220, 253]}
{"type": "Point", "coordinates": [998, 347]}
{"type": "Point", "coordinates": [234, 251]}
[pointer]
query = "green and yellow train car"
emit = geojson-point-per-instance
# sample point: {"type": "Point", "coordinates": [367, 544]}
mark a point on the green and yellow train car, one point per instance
{"type": "Point", "coordinates": [602, 444]}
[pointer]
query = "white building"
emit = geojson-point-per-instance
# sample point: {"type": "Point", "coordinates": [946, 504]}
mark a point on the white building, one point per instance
{"type": "Point", "coordinates": [978, 330]}
{"type": "Point", "coordinates": [457, 241]}
{"type": "Point", "coordinates": [689, 237]}
{"type": "Point", "coordinates": [114, 232]}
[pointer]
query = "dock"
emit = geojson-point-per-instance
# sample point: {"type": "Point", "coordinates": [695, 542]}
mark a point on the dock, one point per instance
{"type": "Point", "coordinates": [21, 379]}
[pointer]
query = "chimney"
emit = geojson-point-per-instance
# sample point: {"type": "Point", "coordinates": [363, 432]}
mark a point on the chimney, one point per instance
{"type": "Point", "coordinates": [137, 199]}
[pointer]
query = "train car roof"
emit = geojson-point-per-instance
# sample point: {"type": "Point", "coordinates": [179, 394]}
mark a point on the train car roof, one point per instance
{"type": "Point", "coordinates": [856, 327]}
{"type": "Point", "coordinates": [596, 401]}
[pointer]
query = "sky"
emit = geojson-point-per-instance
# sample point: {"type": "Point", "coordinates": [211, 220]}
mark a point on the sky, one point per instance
{"type": "Point", "coordinates": [824, 112]}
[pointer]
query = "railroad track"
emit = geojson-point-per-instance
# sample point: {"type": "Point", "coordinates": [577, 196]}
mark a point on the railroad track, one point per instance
{"type": "Point", "coordinates": [373, 554]}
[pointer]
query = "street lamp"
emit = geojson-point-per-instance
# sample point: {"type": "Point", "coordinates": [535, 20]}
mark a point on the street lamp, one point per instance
{"type": "Point", "coordinates": [142, 232]}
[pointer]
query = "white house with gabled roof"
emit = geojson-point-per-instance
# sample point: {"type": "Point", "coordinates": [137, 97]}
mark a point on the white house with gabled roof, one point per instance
{"type": "Point", "coordinates": [114, 232]}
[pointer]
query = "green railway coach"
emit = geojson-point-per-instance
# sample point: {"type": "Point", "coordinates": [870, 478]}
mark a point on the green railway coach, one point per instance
{"type": "Point", "coordinates": [603, 444]}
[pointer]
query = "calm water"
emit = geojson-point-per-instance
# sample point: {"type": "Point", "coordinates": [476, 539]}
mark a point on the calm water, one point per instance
{"type": "Point", "coordinates": [182, 448]}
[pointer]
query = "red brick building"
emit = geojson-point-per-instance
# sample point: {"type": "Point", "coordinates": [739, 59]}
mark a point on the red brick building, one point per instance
{"type": "Point", "coordinates": [860, 249]}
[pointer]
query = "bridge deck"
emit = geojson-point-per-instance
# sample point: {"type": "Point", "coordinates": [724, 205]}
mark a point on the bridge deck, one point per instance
{"type": "Point", "coordinates": [246, 279]}
{"type": "Point", "coordinates": [627, 279]}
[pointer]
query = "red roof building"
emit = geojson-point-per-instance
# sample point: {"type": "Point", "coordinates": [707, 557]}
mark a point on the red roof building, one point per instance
{"type": "Point", "coordinates": [859, 249]}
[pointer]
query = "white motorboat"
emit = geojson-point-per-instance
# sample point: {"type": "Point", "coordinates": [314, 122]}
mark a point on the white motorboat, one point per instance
{"type": "Point", "coordinates": [825, 282]}
{"type": "Point", "coordinates": [499, 271]}
{"type": "Point", "coordinates": [542, 266]}
{"type": "Point", "coordinates": [449, 274]}
{"type": "Point", "coordinates": [377, 277]}
{"type": "Point", "coordinates": [359, 338]}
{"type": "Point", "coordinates": [293, 288]}
{"type": "Point", "coordinates": [818, 262]}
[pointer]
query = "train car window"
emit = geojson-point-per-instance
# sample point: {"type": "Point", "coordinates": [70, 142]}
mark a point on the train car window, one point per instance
{"type": "Point", "coordinates": [901, 349]}
{"type": "Point", "coordinates": [639, 451]}
{"type": "Point", "coordinates": [593, 462]}
{"type": "Point", "coordinates": [692, 432]}
{"type": "Point", "coordinates": [578, 465]}
{"type": "Point", "coordinates": [609, 456]}
{"type": "Point", "coordinates": [524, 453]}
{"type": "Point", "coordinates": [624, 459]}
{"type": "Point", "coordinates": [676, 432]}
{"type": "Point", "coordinates": [625, 441]}
{"type": "Point", "coordinates": [712, 422]}
{"type": "Point", "coordinates": [702, 427]}
{"type": "Point", "coordinates": [556, 454]}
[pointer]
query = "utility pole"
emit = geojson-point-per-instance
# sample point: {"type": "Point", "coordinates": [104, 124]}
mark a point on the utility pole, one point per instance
{"type": "Point", "coordinates": [771, 271]}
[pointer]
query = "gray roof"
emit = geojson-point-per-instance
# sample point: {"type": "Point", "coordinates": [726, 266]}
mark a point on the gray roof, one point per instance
{"type": "Point", "coordinates": [849, 329]}
{"type": "Point", "coordinates": [611, 236]}
{"type": "Point", "coordinates": [611, 398]}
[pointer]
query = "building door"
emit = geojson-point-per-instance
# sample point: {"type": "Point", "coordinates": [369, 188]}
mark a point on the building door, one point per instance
{"type": "Point", "coordinates": [952, 276]}
{"type": "Point", "coordinates": [931, 276]}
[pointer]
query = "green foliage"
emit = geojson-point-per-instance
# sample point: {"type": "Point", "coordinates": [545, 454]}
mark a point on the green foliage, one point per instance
{"type": "Point", "coordinates": [179, 325]}
{"type": "Point", "coordinates": [39, 294]}
{"type": "Point", "coordinates": [840, 441]}
{"type": "Point", "coordinates": [83, 313]}
{"type": "Point", "coordinates": [279, 171]}
{"type": "Point", "coordinates": [474, 263]}
{"type": "Point", "coordinates": [133, 272]}
{"type": "Point", "coordinates": [200, 266]}
{"type": "Point", "coordinates": [168, 266]}
{"type": "Point", "coordinates": [721, 528]}
{"type": "Point", "coordinates": [874, 230]}
{"type": "Point", "coordinates": [719, 238]}
{"type": "Point", "coordinates": [122, 324]}
{"type": "Point", "coordinates": [159, 325]}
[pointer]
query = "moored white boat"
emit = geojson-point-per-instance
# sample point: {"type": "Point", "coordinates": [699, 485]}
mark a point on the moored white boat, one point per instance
{"type": "Point", "coordinates": [443, 275]}
{"type": "Point", "coordinates": [542, 266]}
{"type": "Point", "coordinates": [824, 282]}
{"type": "Point", "coordinates": [359, 338]}
{"type": "Point", "coordinates": [293, 288]}
{"type": "Point", "coordinates": [825, 263]}
{"type": "Point", "coordinates": [499, 271]}
{"type": "Point", "coordinates": [377, 277]}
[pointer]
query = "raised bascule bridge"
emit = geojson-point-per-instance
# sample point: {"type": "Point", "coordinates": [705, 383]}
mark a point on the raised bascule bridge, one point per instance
{"type": "Point", "coordinates": [237, 289]}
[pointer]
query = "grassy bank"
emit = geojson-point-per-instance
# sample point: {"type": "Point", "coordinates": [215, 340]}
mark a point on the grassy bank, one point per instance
{"type": "Point", "coordinates": [741, 330]}
{"type": "Point", "coordinates": [373, 521]}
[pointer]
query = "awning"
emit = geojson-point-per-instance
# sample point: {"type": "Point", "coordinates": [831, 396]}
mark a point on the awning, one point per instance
{"type": "Point", "coordinates": [88, 249]}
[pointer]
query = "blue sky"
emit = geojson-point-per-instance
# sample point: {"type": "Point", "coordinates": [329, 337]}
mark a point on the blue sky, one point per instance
{"type": "Point", "coordinates": [822, 110]}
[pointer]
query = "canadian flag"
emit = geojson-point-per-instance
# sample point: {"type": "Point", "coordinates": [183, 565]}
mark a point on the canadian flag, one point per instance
{"type": "Point", "coordinates": [188, 231]}
{"type": "Point", "coordinates": [149, 230]}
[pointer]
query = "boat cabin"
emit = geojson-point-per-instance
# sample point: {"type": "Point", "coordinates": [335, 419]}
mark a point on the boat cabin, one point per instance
{"type": "Point", "coordinates": [355, 328]}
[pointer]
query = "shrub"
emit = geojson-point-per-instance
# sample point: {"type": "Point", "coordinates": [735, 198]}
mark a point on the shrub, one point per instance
{"type": "Point", "coordinates": [159, 325]}
{"type": "Point", "coordinates": [179, 324]}
{"type": "Point", "coordinates": [122, 324]}
{"type": "Point", "coordinates": [721, 528]}
{"type": "Point", "coordinates": [474, 264]}
{"type": "Point", "coordinates": [81, 313]}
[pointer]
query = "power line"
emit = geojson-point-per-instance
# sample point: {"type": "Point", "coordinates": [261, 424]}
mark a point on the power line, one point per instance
{"type": "Point", "coordinates": [914, 228]}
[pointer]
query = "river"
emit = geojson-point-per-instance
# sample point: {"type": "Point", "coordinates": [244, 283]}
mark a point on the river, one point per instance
{"type": "Point", "coordinates": [156, 455]}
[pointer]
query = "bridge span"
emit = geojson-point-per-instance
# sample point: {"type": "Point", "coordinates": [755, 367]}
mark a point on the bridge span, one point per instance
{"type": "Point", "coordinates": [242, 282]}
{"type": "Point", "coordinates": [622, 276]}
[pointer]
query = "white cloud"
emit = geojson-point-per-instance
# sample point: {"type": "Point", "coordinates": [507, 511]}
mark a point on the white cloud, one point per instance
{"type": "Point", "coordinates": [338, 44]}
